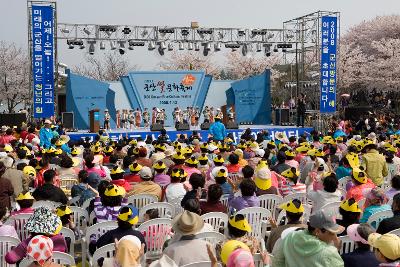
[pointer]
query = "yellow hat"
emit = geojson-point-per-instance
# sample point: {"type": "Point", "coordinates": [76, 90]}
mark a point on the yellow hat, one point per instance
{"type": "Point", "coordinates": [63, 210]}
{"type": "Point", "coordinates": [8, 148]}
{"type": "Point", "coordinates": [240, 222]}
{"type": "Point", "coordinates": [353, 159]}
{"type": "Point", "coordinates": [271, 143]}
{"type": "Point", "coordinates": [108, 149]}
{"type": "Point", "coordinates": [178, 155]}
{"type": "Point", "coordinates": [135, 151]}
{"type": "Point", "coordinates": [204, 145]}
{"type": "Point", "coordinates": [302, 148]}
{"type": "Point", "coordinates": [76, 151]}
{"type": "Point", "coordinates": [231, 246]}
{"type": "Point", "coordinates": [241, 146]}
{"type": "Point", "coordinates": [26, 196]}
{"type": "Point", "coordinates": [368, 142]}
{"type": "Point", "coordinates": [58, 151]}
{"type": "Point", "coordinates": [345, 205]}
{"type": "Point", "coordinates": [159, 165]}
{"type": "Point", "coordinates": [263, 178]}
{"type": "Point", "coordinates": [291, 207]}
{"type": "Point", "coordinates": [311, 152]}
{"type": "Point", "coordinates": [133, 142]}
{"type": "Point", "coordinates": [290, 153]}
{"type": "Point", "coordinates": [262, 164]}
{"type": "Point", "coordinates": [203, 157]}
{"type": "Point", "coordinates": [388, 244]}
{"type": "Point", "coordinates": [116, 170]}
{"type": "Point", "coordinates": [29, 171]}
{"type": "Point", "coordinates": [96, 148]}
{"type": "Point", "coordinates": [187, 150]}
{"type": "Point", "coordinates": [114, 191]}
{"type": "Point", "coordinates": [360, 175]}
{"type": "Point", "coordinates": [131, 216]}
{"type": "Point", "coordinates": [219, 146]}
{"type": "Point", "coordinates": [319, 153]}
{"type": "Point", "coordinates": [290, 174]}
{"type": "Point", "coordinates": [396, 143]}
{"type": "Point", "coordinates": [50, 150]}
{"type": "Point", "coordinates": [135, 167]}
{"type": "Point", "coordinates": [387, 145]}
{"type": "Point", "coordinates": [176, 173]}
{"type": "Point", "coordinates": [282, 145]}
{"type": "Point", "coordinates": [59, 142]}
{"type": "Point", "coordinates": [222, 173]}
{"type": "Point", "coordinates": [162, 147]}
{"type": "Point", "coordinates": [339, 139]}
{"type": "Point", "coordinates": [219, 159]}
{"type": "Point", "coordinates": [392, 149]}
{"type": "Point", "coordinates": [192, 160]}
{"type": "Point", "coordinates": [326, 139]}
{"type": "Point", "coordinates": [228, 140]}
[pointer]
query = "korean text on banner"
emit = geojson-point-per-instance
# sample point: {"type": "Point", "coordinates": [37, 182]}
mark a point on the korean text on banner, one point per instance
{"type": "Point", "coordinates": [43, 61]}
{"type": "Point", "coordinates": [328, 64]}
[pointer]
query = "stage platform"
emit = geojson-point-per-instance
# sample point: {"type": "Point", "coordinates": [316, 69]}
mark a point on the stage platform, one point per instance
{"type": "Point", "coordinates": [116, 134]}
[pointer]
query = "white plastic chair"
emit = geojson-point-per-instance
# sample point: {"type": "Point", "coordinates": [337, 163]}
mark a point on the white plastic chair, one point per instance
{"type": "Point", "coordinates": [375, 219]}
{"type": "Point", "coordinates": [258, 219]}
{"type": "Point", "coordinates": [211, 237]}
{"type": "Point", "coordinates": [306, 215]}
{"type": "Point", "coordinates": [98, 230]}
{"type": "Point", "coordinates": [107, 251]}
{"type": "Point", "coordinates": [300, 196]}
{"type": "Point", "coordinates": [225, 201]}
{"type": "Point", "coordinates": [66, 232]}
{"type": "Point", "coordinates": [165, 210]}
{"type": "Point", "coordinates": [74, 201]}
{"type": "Point", "coordinates": [155, 232]}
{"type": "Point", "coordinates": [46, 203]}
{"type": "Point", "coordinates": [258, 261]}
{"type": "Point", "coordinates": [86, 203]}
{"type": "Point", "coordinates": [218, 220]}
{"type": "Point", "coordinates": [270, 202]}
{"type": "Point", "coordinates": [92, 216]}
{"type": "Point", "coordinates": [141, 200]}
{"type": "Point", "coordinates": [81, 218]}
{"type": "Point", "coordinates": [395, 232]}
{"type": "Point", "coordinates": [200, 264]}
{"type": "Point", "coordinates": [347, 244]}
{"type": "Point", "coordinates": [25, 262]}
{"type": "Point", "coordinates": [333, 208]}
{"type": "Point", "coordinates": [176, 202]}
{"type": "Point", "coordinates": [6, 243]}
{"type": "Point", "coordinates": [19, 221]}
{"type": "Point", "coordinates": [63, 259]}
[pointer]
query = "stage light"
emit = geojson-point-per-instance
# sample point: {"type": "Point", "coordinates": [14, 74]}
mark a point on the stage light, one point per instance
{"type": "Point", "coordinates": [284, 50]}
{"type": "Point", "coordinates": [244, 50]}
{"type": "Point", "coordinates": [121, 48]}
{"type": "Point", "coordinates": [91, 48]}
{"type": "Point", "coordinates": [113, 46]}
{"type": "Point", "coordinates": [130, 47]}
{"type": "Point", "coordinates": [65, 30]}
{"type": "Point", "coordinates": [185, 32]}
{"type": "Point", "coordinates": [82, 46]}
{"type": "Point", "coordinates": [270, 35]}
{"type": "Point", "coordinates": [163, 46]}
{"type": "Point", "coordinates": [166, 30]}
{"type": "Point", "coordinates": [70, 44]}
{"type": "Point", "coordinates": [85, 30]}
{"type": "Point", "coordinates": [197, 46]}
{"type": "Point", "coordinates": [160, 51]}
{"type": "Point", "coordinates": [152, 45]}
{"type": "Point", "coordinates": [181, 46]}
{"type": "Point", "coordinates": [170, 46]}
{"type": "Point", "coordinates": [217, 47]}
{"type": "Point", "coordinates": [190, 46]}
{"type": "Point", "coordinates": [267, 50]}
{"type": "Point", "coordinates": [126, 30]}
{"type": "Point", "coordinates": [207, 48]}
{"type": "Point", "coordinates": [102, 45]}
{"type": "Point", "coordinates": [259, 47]}
{"type": "Point", "coordinates": [241, 32]}
{"type": "Point", "coordinates": [276, 49]}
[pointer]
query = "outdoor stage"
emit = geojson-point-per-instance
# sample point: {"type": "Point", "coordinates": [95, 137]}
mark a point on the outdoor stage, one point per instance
{"type": "Point", "coordinates": [116, 134]}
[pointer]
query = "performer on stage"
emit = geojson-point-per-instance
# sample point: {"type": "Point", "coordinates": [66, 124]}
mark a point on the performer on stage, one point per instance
{"type": "Point", "coordinates": [206, 114]}
{"type": "Point", "coordinates": [185, 115]}
{"type": "Point", "coordinates": [131, 119]}
{"type": "Point", "coordinates": [124, 118]}
{"type": "Point", "coordinates": [219, 114]}
{"type": "Point", "coordinates": [192, 116]}
{"type": "Point", "coordinates": [154, 116]}
{"type": "Point", "coordinates": [118, 119]}
{"type": "Point", "coordinates": [106, 120]}
{"type": "Point", "coordinates": [138, 118]}
{"type": "Point", "coordinates": [160, 116]}
{"type": "Point", "coordinates": [177, 115]}
{"type": "Point", "coordinates": [211, 112]}
{"type": "Point", "coordinates": [196, 116]}
{"type": "Point", "coordinates": [146, 118]}
{"type": "Point", "coordinates": [231, 114]}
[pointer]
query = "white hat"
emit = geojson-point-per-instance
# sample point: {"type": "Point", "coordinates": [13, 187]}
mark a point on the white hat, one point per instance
{"type": "Point", "coordinates": [47, 122]}
{"type": "Point", "coordinates": [4, 128]}
{"type": "Point", "coordinates": [216, 170]}
{"type": "Point", "coordinates": [133, 239]}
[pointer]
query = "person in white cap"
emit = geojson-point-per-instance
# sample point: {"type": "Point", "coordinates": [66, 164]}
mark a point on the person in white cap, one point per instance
{"type": "Point", "coordinates": [46, 134]}
{"type": "Point", "coordinates": [107, 118]}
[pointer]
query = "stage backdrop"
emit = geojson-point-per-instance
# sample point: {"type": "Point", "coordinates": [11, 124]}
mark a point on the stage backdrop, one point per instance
{"type": "Point", "coordinates": [252, 99]}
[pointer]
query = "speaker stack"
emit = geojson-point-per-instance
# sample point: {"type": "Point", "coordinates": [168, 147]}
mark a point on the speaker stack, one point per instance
{"type": "Point", "coordinates": [182, 126]}
{"type": "Point", "coordinates": [205, 126]}
{"type": "Point", "coordinates": [156, 127]}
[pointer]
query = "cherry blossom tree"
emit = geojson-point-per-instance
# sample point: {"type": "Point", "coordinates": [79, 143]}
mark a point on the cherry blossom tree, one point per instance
{"type": "Point", "coordinates": [14, 76]}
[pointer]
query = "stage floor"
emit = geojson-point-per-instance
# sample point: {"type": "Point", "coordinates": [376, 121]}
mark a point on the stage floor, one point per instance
{"type": "Point", "coordinates": [116, 134]}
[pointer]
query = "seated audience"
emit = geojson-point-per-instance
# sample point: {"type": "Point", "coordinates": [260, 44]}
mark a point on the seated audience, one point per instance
{"type": "Point", "coordinates": [389, 224]}
{"type": "Point", "coordinates": [48, 191]}
{"type": "Point", "coordinates": [147, 185]}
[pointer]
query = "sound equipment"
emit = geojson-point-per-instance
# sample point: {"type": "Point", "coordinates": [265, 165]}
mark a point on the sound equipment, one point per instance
{"type": "Point", "coordinates": [156, 127]}
{"type": "Point", "coordinates": [94, 120]}
{"type": "Point", "coordinates": [68, 120]}
{"type": "Point", "coordinates": [205, 126]}
{"type": "Point", "coordinates": [232, 125]}
{"type": "Point", "coordinates": [12, 119]}
{"type": "Point", "coordinates": [282, 116]}
{"type": "Point", "coordinates": [354, 113]}
{"type": "Point", "coordinates": [182, 126]}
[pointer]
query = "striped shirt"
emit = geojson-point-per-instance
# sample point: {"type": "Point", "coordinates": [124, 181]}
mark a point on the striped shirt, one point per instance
{"type": "Point", "coordinates": [287, 187]}
{"type": "Point", "coordinates": [104, 213]}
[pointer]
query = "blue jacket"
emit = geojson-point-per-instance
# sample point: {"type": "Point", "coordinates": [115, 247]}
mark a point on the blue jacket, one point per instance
{"type": "Point", "coordinates": [217, 130]}
{"type": "Point", "coordinates": [45, 136]}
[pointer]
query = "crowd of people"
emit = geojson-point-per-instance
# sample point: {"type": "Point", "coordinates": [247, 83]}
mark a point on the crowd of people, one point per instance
{"type": "Point", "coordinates": [357, 170]}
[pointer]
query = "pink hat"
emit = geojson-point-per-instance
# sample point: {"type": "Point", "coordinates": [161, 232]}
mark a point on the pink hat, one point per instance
{"type": "Point", "coordinates": [240, 258]}
{"type": "Point", "coordinates": [353, 234]}
{"type": "Point", "coordinates": [40, 248]}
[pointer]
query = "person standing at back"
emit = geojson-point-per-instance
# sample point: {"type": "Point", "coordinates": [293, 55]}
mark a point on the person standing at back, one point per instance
{"type": "Point", "coordinates": [217, 130]}
{"type": "Point", "coordinates": [301, 110]}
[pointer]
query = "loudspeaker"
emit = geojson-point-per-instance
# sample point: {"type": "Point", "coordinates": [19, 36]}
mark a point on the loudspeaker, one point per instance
{"type": "Point", "coordinates": [282, 116]}
{"type": "Point", "coordinates": [182, 126]}
{"type": "Point", "coordinates": [232, 125]}
{"type": "Point", "coordinates": [205, 126]}
{"type": "Point", "coordinates": [156, 127]}
{"type": "Point", "coordinates": [68, 120]}
{"type": "Point", "coordinates": [354, 113]}
{"type": "Point", "coordinates": [12, 119]}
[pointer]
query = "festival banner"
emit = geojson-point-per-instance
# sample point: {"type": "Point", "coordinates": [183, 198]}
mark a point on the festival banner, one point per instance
{"type": "Point", "coordinates": [43, 61]}
{"type": "Point", "coordinates": [329, 30]}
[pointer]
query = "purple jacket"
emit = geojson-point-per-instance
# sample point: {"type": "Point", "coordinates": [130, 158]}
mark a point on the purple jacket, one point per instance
{"type": "Point", "coordinates": [162, 179]}
{"type": "Point", "coordinates": [240, 202]}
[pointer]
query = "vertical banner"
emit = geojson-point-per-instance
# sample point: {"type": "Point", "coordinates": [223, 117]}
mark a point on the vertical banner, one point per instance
{"type": "Point", "coordinates": [328, 64]}
{"type": "Point", "coordinates": [43, 61]}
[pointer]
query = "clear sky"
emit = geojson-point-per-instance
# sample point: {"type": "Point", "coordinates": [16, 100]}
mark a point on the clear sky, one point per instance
{"type": "Point", "coordinates": [209, 13]}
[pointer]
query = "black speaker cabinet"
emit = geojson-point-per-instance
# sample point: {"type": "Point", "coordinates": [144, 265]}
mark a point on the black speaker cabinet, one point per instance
{"type": "Point", "coordinates": [68, 120]}
{"type": "Point", "coordinates": [12, 119]}
{"type": "Point", "coordinates": [205, 126]}
{"type": "Point", "coordinates": [232, 125]}
{"type": "Point", "coordinates": [156, 127]}
{"type": "Point", "coordinates": [182, 126]}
